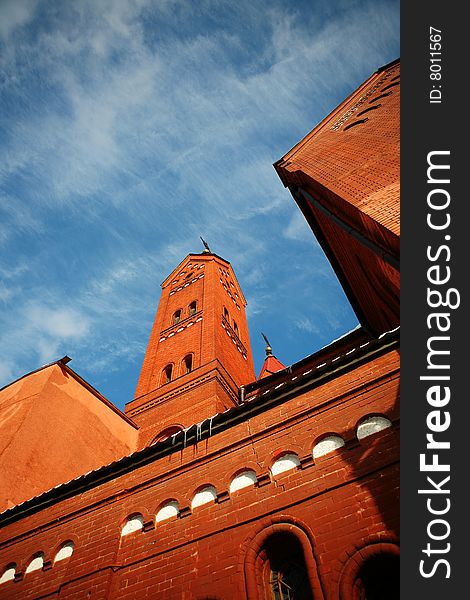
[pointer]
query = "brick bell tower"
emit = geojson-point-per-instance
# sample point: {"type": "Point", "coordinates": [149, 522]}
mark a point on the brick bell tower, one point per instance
{"type": "Point", "coordinates": [199, 350]}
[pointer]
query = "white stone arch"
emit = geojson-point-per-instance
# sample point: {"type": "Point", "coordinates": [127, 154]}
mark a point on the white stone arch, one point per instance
{"type": "Point", "coordinates": [371, 425]}
{"type": "Point", "coordinates": [327, 444]}
{"type": "Point", "coordinates": [65, 551]}
{"type": "Point", "coordinates": [243, 479]}
{"type": "Point", "coordinates": [8, 573]}
{"type": "Point", "coordinates": [36, 563]}
{"type": "Point", "coordinates": [168, 510]}
{"type": "Point", "coordinates": [133, 523]}
{"type": "Point", "coordinates": [204, 495]}
{"type": "Point", "coordinates": [285, 462]}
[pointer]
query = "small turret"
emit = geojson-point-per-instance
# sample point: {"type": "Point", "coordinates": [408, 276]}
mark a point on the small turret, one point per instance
{"type": "Point", "coordinates": [271, 363]}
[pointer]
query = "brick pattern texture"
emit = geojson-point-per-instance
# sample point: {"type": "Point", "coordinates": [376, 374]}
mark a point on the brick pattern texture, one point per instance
{"type": "Point", "coordinates": [343, 501]}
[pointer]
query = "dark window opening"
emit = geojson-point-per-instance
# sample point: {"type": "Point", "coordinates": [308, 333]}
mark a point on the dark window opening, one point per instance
{"type": "Point", "coordinates": [379, 578]}
{"type": "Point", "coordinates": [368, 109]}
{"type": "Point", "coordinates": [188, 364]}
{"type": "Point", "coordinates": [379, 97]}
{"type": "Point", "coordinates": [286, 571]}
{"type": "Point", "coordinates": [235, 328]}
{"type": "Point", "coordinates": [387, 87]}
{"type": "Point", "coordinates": [355, 123]}
{"type": "Point", "coordinates": [167, 372]}
{"type": "Point", "coordinates": [225, 313]}
{"type": "Point", "coordinates": [192, 308]}
{"type": "Point", "coordinates": [165, 434]}
{"type": "Point", "coordinates": [177, 317]}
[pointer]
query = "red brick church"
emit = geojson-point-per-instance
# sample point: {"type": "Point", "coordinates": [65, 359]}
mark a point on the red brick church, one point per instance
{"type": "Point", "coordinates": [215, 484]}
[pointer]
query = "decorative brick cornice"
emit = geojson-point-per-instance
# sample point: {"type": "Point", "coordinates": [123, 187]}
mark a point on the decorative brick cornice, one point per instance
{"type": "Point", "coordinates": [177, 327]}
{"type": "Point", "coordinates": [231, 332]}
{"type": "Point", "coordinates": [179, 288]}
{"type": "Point", "coordinates": [183, 389]}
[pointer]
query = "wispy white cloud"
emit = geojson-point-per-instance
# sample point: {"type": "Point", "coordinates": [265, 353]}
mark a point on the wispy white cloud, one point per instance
{"type": "Point", "coordinates": [117, 111]}
{"type": "Point", "coordinates": [298, 229]}
{"type": "Point", "coordinates": [41, 330]}
{"type": "Point", "coordinates": [306, 324]}
{"type": "Point", "coordinates": [16, 217]}
{"type": "Point", "coordinates": [15, 13]}
{"type": "Point", "coordinates": [134, 126]}
{"type": "Point", "coordinates": [57, 322]}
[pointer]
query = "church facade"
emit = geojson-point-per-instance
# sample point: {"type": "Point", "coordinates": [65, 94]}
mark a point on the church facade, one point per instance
{"type": "Point", "coordinates": [214, 484]}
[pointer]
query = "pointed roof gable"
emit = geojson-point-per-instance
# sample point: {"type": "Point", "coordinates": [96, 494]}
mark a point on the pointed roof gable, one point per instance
{"type": "Point", "coordinates": [271, 365]}
{"type": "Point", "coordinates": [55, 426]}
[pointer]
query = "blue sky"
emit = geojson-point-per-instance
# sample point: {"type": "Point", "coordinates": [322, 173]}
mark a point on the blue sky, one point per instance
{"type": "Point", "coordinates": [128, 128]}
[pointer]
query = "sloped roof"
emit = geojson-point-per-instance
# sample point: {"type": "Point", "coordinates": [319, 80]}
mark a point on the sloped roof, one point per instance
{"type": "Point", "coordinates": [270, 366]}
{"type": "Point", "coordinates": [55, 426]}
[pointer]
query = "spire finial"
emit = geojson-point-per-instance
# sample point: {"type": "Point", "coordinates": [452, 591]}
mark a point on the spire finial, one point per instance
{"type": "Point", "coordinates": [269, 350]}
{"type": "Point", "coordinates": [206, 246]}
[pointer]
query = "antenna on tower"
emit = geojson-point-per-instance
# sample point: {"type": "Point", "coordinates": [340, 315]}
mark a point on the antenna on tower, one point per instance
{"type": "Point", "coordinates": [268, 348]}
{"type": "Point", "coordinates": [206, 245]}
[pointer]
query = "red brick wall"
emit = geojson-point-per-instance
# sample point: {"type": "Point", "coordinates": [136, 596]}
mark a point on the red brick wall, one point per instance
{"type": "Point", "coordinates": [218, 353]}
{"type": "Point", "coordinates": [340, 502]}
{"type": "Point", "coordinates": [358, 164]}
{"type": "Point", "coordinates": [345, 177]}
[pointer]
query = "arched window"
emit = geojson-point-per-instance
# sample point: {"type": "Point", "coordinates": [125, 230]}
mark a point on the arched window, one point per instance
{"type": "Point", "coordinates": [9, 573]}
{"type": "Point", "coordinates": [226, 313]}
{"type": "Point", "coordinates": [235, 328]}
{"type": "Point", "coordinates": [285, 572]}
{"type": "Point", "coordinates": [167, 373]}
{"type": "Point", "coordinates": [167, 511]}
{"type": "Point", "coordinates": [279, 563]}
{"type": "Point", "coordinates": [65, 551]}
{"type": "Point", "coordinates": [379, 578]}
{"type": "Point", "coordinates": [286, 462]}
{"type": "Point", "coordinates": [372, 425]}
{"type": "Point", "coordinates": [165, 434]}
{"type": "Point", "coordinates": [36, 563]}
{"type": "Point", "coordinates": [327, 445]}
{"type": "Point", "coordinates": [177, 316]}
{"type": "Point", "coordinates": [188, 364]}
{"type": "Point", "coordinates": [204, 496]}
{"type": "Point", "coordinates": [133, 523]}
{"type": "Point", "coordinates": [243, 480]}
{"type": "Point", "coordinates": [192, 308]}
{"type": "Point", "coordinates": [372, 573]}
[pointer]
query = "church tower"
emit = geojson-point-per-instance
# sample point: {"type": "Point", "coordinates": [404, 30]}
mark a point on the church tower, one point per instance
{"type": "Point", "coordinates": [199, 350]}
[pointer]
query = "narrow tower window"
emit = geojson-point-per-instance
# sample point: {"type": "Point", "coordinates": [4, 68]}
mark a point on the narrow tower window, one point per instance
{"type": "Point", "coordinates": [167, 372]}
{"type": "Point", "coordinates": [188, 364]}
{"type": "Point", "coordinates": [192, 308]}
{"type": "Point", "coordinates": [225, 313]}
{"type": "Point", "coordinates": [177, 316]}
{"type": "Point", "coordinates": [235, 328]}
